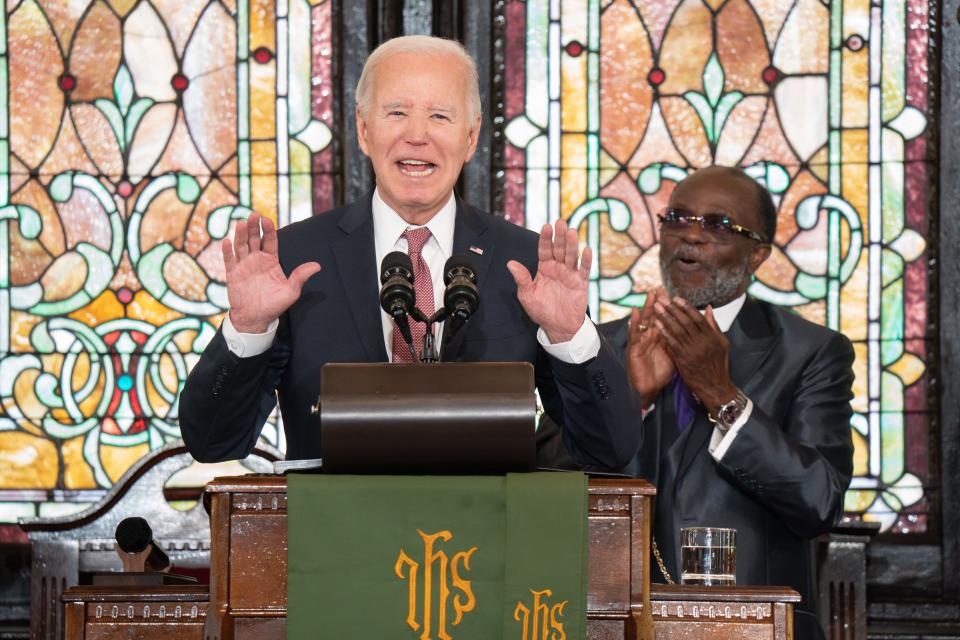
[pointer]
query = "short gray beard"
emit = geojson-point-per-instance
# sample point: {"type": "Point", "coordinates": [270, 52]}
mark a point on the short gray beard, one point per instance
{"type": "Point", "coordinates": [721, 287]}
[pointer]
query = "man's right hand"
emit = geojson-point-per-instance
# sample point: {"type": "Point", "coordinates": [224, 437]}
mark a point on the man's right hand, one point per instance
{"type": "Point", "coordinates": [648, 365]}
{"type": "Point", "coordinates": [257, 288]}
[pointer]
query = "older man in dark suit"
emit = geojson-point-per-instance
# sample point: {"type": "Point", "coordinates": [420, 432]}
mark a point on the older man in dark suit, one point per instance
{"type": "Point", "coordinates": [749, 424]}
{"type": "Point", "coordinates": [418, 119]}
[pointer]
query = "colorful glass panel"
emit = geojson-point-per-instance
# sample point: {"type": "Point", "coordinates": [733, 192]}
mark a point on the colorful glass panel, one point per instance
{"type": "Point", "coordinates": [608, 104]}
{"type": "Point", "coordinates": [132, 135]}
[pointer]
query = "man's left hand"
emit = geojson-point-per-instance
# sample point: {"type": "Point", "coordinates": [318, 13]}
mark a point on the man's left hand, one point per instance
{"type": "Point", "coordinates": [556, 299]}
{"type": "Point", "coordinates": [699, 350]}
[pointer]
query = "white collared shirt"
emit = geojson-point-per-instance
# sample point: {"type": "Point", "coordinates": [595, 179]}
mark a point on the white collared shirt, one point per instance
{"type": "Point", "coordinates": [388, 228]}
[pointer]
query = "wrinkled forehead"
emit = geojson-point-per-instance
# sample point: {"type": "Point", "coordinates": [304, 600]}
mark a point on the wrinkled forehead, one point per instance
{"type": "Point", "coordinates": [422, 79]}
{"type": "Point", "coordinates": [719, 192]}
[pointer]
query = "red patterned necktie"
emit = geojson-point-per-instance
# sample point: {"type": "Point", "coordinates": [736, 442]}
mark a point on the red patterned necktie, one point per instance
{"type": "Point", "coordinates": [423, 284]}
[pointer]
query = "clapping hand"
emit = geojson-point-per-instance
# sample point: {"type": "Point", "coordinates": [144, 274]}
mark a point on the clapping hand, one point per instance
{"type": "Point", "coordinates": [699, 350]}
{"type": "Point", "coordinates": [257, 288]}
{"type": "Point", "coordinates": [648, 364]}
{"type": "Point", "coordinates": [556, 299]}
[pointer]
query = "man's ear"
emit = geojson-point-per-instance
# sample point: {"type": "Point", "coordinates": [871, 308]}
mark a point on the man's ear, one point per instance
{"type": "Point", "coordinates": [759, 254]}
{"type": "Point", "coordinates": [362, 132]}
{"type": "Point", "coordinates": [474, 137]}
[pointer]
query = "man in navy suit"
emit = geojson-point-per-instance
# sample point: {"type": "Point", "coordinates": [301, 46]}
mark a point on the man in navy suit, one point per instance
{"type": "Point", "coordinates": [308, 295]}
{"type": "Point", "coordinates": [747, 422]}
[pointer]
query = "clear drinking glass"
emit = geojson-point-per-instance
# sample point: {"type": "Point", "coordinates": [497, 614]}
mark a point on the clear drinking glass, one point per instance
{"type": "Point", "coordinates": [708, 556]}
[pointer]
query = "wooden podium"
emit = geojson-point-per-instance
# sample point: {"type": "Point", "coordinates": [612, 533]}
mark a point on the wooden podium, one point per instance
{"type": "Point", "coordinates": [248, 579]}
{"type": "Point", "coordinates": [248, 556]}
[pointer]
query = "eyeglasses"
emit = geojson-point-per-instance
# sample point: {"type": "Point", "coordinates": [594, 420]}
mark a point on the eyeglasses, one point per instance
{"type": "Point", "coordinates": [718, 224]}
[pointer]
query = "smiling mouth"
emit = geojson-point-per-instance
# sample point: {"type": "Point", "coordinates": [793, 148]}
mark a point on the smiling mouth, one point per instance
{"type": "Point", "coordinates": [416, 168]}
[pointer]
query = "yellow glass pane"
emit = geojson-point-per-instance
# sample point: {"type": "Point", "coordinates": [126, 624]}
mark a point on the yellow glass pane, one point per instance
{"type": "Point", "coordinates": [116, 460]}
{"type": "Point", "coordinates": [263, 97]}
{"type": "Point", "coordinates": [908, 368]}
{"type": "Point", "coordinates": [26, 461]}
{"type": "Point", "coordinates": [77, 474]}
{"type": "Point", "coordinates": [856, 79]}
{"type": "Point", "coordinates": [263, 24]}
{"type": "Point", "coordinates": [853, 302]}
{"type": "Point", "coordinates": [145, 307]}
{"type": "Point", "coordinates": [573, 190]}
{"type": "Point", "coordinates": [103, 308]}
{"type": "Point", "coordinates": [813, 311]}
{"type": "Point", "coordinates": [573, 111]}
{"type": "Point", "coordinates": [263, 156]}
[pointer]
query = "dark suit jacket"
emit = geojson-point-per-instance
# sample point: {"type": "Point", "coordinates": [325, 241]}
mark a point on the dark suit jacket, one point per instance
{"type": "Point", "coordinates": [226, 399]}
{"type": "Point", "coordinates": [782, 480]}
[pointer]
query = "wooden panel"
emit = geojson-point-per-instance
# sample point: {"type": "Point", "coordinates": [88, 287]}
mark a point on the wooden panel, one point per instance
{"type": "Point", "coordinates": [609, 564]}
{"type": "Point", "coordinates": [142, 612]}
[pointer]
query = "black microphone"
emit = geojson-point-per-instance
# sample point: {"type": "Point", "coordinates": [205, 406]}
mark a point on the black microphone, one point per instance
{"type": "Point", "coordinates": [134, 535]}
{"type": "Point", "coordinates": [461, 297]}
{"type": "Point", "coordinates": [397, 295]}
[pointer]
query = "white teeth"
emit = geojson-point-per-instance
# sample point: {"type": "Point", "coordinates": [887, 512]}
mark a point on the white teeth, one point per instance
{"type": "Point", "coordinates": [426, 171]}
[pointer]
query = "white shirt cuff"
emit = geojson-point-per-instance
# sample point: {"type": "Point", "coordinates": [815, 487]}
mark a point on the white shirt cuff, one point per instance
{"type": "Point", "coordinates": [247, 345]}
{"type": "Point", "coordinates": [583, 346]}
{"type": "Point", "coordinates": [719, 443]}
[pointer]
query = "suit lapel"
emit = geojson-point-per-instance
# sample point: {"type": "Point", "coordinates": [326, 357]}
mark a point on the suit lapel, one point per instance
{"type": "Point", "coordinates": [750, 341]}
{"type": "Point", "coordinates": [356, 260]}
{"type": "Point", "coordinates": [470, 239]}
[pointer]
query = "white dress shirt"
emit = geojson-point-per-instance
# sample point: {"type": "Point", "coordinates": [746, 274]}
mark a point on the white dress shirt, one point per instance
{"type": "Point", "coordinates": [388, 228]}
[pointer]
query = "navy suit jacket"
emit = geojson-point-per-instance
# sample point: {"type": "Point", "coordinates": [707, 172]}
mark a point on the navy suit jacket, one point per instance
{"type": "Point", "coordinates": [226, 398]}
{"type": "Point", "coordinates": [782, 480]}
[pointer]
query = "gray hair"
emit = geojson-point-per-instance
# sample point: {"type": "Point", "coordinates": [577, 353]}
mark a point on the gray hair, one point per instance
{"type": "Point", "coordinates": [423, 45]}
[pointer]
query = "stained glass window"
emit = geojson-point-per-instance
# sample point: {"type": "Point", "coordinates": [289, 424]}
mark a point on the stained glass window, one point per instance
{"type": "Point", "coordinates": [608, 104]}
{"type": "Point", "coordinates": [132, 135]}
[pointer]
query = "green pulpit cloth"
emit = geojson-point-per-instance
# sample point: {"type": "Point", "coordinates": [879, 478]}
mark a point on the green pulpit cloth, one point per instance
{"type": "Point", "coordinates": [424, 557]}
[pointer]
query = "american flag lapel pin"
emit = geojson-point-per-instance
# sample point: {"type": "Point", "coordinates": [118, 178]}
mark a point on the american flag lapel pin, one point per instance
{"type": "Point", "coordinates": [476, 250]}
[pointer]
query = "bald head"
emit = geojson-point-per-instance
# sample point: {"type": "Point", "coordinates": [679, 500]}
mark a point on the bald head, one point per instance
{"type": "Point", "coordinates": [759, 206]}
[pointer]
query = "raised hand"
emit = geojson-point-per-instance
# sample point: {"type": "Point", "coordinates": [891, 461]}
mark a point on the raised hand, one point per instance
{"type": "Point", "coordinates": [648, 363]}
{"type": "Point", "coordinates": [699, 350]}
{"type": "Point", "coordinates": [257, 288]}
{"type": "Point", "coordinates": [556, 299]}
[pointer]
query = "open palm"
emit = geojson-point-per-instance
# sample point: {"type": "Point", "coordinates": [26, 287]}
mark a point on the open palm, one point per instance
{"type": "Point", "coordinates": [257, 288]}
{"type": "Point", "coordinates": [556, 299]}
{"type": "Point", "coordinates": [648, 363]}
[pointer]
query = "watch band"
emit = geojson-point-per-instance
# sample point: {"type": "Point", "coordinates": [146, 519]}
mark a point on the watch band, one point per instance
{"type": "Point", "coordinates": [729, 412]}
